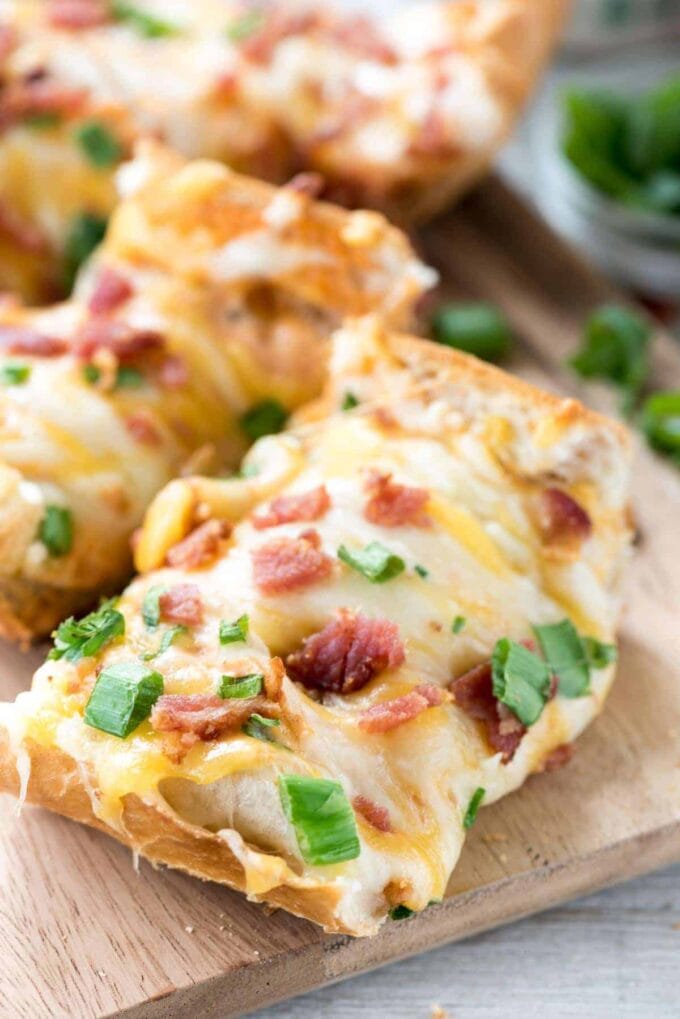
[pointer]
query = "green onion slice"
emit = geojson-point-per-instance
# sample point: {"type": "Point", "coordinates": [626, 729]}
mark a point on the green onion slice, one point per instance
{"type": "Point", "coordinates": [458, 624]}
{"type": "Point", "coordinates": [375, 562]}
{"type": "Point", "coordinates": [243, 27]}
{"type": "Point", "coordinates": [122, 698]}
{"type": "Point", "coordinates": [260, 727]}
{"type": "Point", "coordinates": [167, 640]}
{"type": "Point", "coordinates": [98, 144]}
{"type": "Point", "coordinates": [660, 421]}
{"type": "Point", "coordinates": [322, 817]}
{"type": "Point", "coordinates": [473, 807]}
{"type": "Point", "coordinates": [146, 24]}
{"type": "Point", "coordinates": [86, 231]}
{"type": "Point", "coordinates": [521, 680]}
{"type": "Point", "coordinates": [264, 418]}
{"type": "Point", "coordinates": [599, 655]}
{"type": "Point", "coordinates": [243, 686]}
{"type": "Point", "coordinates": [82, 638]}
{"type": "Point", "coordinates": [151, 606]}
{"type": "Point", "coordinates": [349, 401]}
{"type": "Point", "coordinates": [478, 329]}
{"type": "Point", "coordinates": [15, 374]}
{"type": "Point", "coordinates": [422, 571]}
{"type": "Point", "coordinates": [56, 530]}
{"type": "Point", "coordinates": [232, 633]}
{"type": "Point", "coordinates": [566, 657]}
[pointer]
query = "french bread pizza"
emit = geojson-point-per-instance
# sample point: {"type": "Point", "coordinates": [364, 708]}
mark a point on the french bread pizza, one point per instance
{"type": "Point", "coordinates": [204, 318]}
{"type": "Point", "coordinates": [404, 606]}
{"type": "Point", "coordinates": [399, 113]}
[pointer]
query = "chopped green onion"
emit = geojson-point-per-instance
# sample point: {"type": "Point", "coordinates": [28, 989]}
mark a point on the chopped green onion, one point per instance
{"type": "Point", "coordinates": [232, 633]}
{"type": "Point", "coordinates": [566, 657]}
{"type": "Point", "coordinates": [322, 817]}
{"type": "Point", "coordinates": [146, 24]}
{"type": "Point", "coordinates": [243, 686]}
{"type": "Point", "coordinates": [166, 641]}
{"type": "Point", "coordinates": [151, 606]}
{"type": "Point", "coordinates": [86, 231]}
{"type": "Point", "coordinates": [615, 348]}
{"type": "Point", "coordinates": [122, 698]}
{"type": "Point", "coordinates": [259, 727]}
{"type": "Point", "coordinates": [375, 562]}
{"type": "Point", "coordinates": [349, 401]}
{"type": "Point", "coordinates": [478, 329]}
{"type": "Point", "coordinates": [97, 143]}
{"type": "Point", "coordinates": [246, 471]}
{"type": "Point", "coordinates": [82, 638]}
{"type": "Point", "coordinates": [400, 913]}
{"type": "Point", "coordinates": [473, 806]}
{"type": "Point", "coordinates": [458, 624]}
{"type": "Point", "coordinates": [243, 27]}
{"type": "Point", "coordinates": [15, 374]}
{"type": "Point", "coordinates": [599, 655]}
{"type": "Point", "coordinates": [128, 377]}
{"type": "Point", "coordinates": [521, 680]}
{"type": "Point", "coordinates": [264, 418]}
{"type": "Point", "coordinates": [56, 530]}
{"type": "Point", "coordinates": [42, 121]}
{"type": "Point", "coordinates": [660, 421]}
{"type": "Point", "coordinates": [91, 374]}
{"type": "Point", "coordinates": [421, 571]}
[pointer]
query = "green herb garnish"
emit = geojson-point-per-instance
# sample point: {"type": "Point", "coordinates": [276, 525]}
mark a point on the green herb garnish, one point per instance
{"type": "Point", "coordinates": [521, 680]}
{"type": "Point", "coordinates": [349, 401]}
{"type": "Point", "coordinates": [15, 374]}
{"type": "Point", "coordinates": [478, 329]}
{"type": "Point", "coordinates": [232, 633]}
{"type": "Point", "coordinates": [660, 421]}
{"type": "Point", "coordinates": [98, 144]}
{"type": "Point", "coordinates": [421, 571]}
{"type": "Point", "coordinates": [146, 24]}
{"type": "Point", "coordinates": [122, 698]}
{"type": "Point", "coordinates": [83, 638]}
{"type": "Point", "coordinates": [264, 418]}
{"type": "Point", "coordinates": [322, 817]}
{"type": "Point", "coordinates": [85, 233]}
{"type": "Point", "coordinates": [167, 640]}
{"type": "Point", "coordinates": [599, 655]}
{"type": "Point", "coordinates": [473, 806]}
{"type": "Point", "coordinates": [42, 121]}
{"type": "Point", "coordinates": [566, 657]}
{"type": "Point", "coordinates": [458, 624]}
{"type": "Point", "coordinates": [615, 348]}
{"type": "Point", "coordinates": [260, 727]}
{"type": "Point", "coordinates": [375, 562]}
{"type": "Point", "coordinates": [243, 27]}
{"type": "Point", "coordinates": [400, 913]}
{"type": "Point", "coordinates": [127, 377]}
{"type": "Point", "coordinates": [56, 530]}
{"type": "Point", "coordinates": [243, 686]}
{"type": "Point", "coordinates": [151, 606]}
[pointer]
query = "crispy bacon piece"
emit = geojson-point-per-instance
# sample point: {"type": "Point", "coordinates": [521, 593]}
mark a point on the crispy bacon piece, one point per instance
{"type": "Point", "coordinates": [25, 340]}
{"type": "Point", "coordinates": [111, 290]}
{"type": "Point", "coordinates": [173, 373]}
{"type": "Point", "coordinates": [141, 427]}
{"type": "Point", "coordinates": [301, 506]}
{"type": "Point", "coordinates": [561, 518]}
{"type": "Point", "coordinates": [34, 96]}
{"type": "Point", "coordinates": [207, 716]}
{"type": "Point", "coordinates": [387, 715]}
{"type": "Point", "coordinates": [433, 138]}
{"type": "Point", "coordinates": [182, 604]}
{"type": "Point", "coordinates": [24, 234]}
{"type": "Point", "coordinates": [310, 184]}
{"type": "Point", "coordinates": [8, 40]}
{"type": "Point", "coordinates": [276, 26]}
{"type": "Point", "coordinates": [559, 757]}
{"type": "Point", "coordinates": [200, 546]}
{"type": "Point", "coordinates": [473, 693]}
{"type": "Point", "coordinates": [285, 564]}
{"type": "Point", "coordinates": [393, 505]}
{"type": "Point", "coordinates": [360, 35]}
{"type": "Point", "coordinates": [77, 13]}
{"type": "Point", "coordinates": [101, 333]}
{"type": "Point", "coordinates": [347, 653]}
{"type": "Point", "coordinates": [372, 812]}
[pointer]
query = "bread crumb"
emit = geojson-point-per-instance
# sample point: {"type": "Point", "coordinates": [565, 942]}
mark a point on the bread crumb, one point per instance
{"type": "Point", "coordinates": [495, 836]}
{"type": "Point", "coordinates": [189, 930]}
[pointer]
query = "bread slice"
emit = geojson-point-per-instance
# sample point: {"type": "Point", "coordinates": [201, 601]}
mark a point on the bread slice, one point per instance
{"type": "Point", "coordinates": [495, 507]}
{"type": "Point", "coordinates": [211, 294]}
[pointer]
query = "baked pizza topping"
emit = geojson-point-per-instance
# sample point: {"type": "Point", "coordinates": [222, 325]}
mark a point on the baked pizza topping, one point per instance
{"type": "Point", "coordinates": [181, 603]}
{"type": "Point", "coordinates": [74, 14]}
{"type": "Point", "coordinates": [56, 530]}
{"type": "Point", "coordinates": [394, 505]}
{"type": "Point", "coordinates": [123, 340]}
{"type": "Point", "coordinates": [111, 290]}
{"type": "Point", "coordinates": [234, 633]}
{"type": "Point", "coordinates": [473, 807]}
{"type": "Point", "coordinates": [375, 562]}
{"type": "Point", "coordinates": [473, 693]}
{"type": "Point", "coordinates": [347, 653]}
{"type": "Point", "coordinates": [322, 818]}
{"type": "Point", "coordinates": [200, 546]}
{"type": "Point", "coordinates": [286, 564]}
{"type": "Point", "coordinates": [81, 638]}
{"type": "Point", "coordinates": [377, 816]}
{"type": "Point", "coordinates": [208, 716]}
{"type": "Point", "coordinates": [562, 518]}
{"type": "Point", "coordinates": [122, 698]}
{"type": "Point", "coordinates": [388, 715]}
{"type": "Point", "coordinates": [25, 340]}
{"type": "Point", "coordinates": [300, 506]}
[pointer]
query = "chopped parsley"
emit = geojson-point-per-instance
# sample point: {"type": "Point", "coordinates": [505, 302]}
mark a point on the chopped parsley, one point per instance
{"type": "Point", "coordinates": [458, 624]}
{"type": "Point", "coordinates": [82, 638]}
{"type": "Point", "coordinates": [85, 233]}
{"type": "Point", "coordinates": [146, 24]}
{"type": "Point", "coordinates": [322, 818]}
{"type": "Point", "coordinates": [56, 530]}
{"type": "Point", "coordinates": [473, 807]}
{"type": "Point", "coordinates": [232, 633]}
{"type": "Point", "coordinates": [265, 418]}
{"type": "Point", "coordinates": [98, 144]}
{"type": "Point", "coordinates": [375, 562]}
{"type": "Point", "coordinates": [260, 727]}
{"type": "Point", "coordinates": [151, 606]}
{"type": "Point", "coordinates": [243, 686]}
{"type": "Point", "coordinates": [122, 698]}
{"type": "Point", "coordinates": [15, 374]}
{"type": "Point", "coordinates": [476, 328]}
{"type": "Point", "coordinates": [349, 401]}
{"type": "Point", "coordinates": [521, 680]}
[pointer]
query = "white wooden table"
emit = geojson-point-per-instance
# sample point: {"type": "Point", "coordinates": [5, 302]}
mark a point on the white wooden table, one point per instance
{"type": "Point", "coordinates": [615, 955]}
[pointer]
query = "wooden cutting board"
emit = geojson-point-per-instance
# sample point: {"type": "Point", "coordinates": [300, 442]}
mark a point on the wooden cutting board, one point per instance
{"type": "Point", "coordinates": [83, 935]}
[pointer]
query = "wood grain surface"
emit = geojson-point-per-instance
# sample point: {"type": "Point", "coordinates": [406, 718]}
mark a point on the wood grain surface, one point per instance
{"type": "Point", "coordinates": [83, 935]}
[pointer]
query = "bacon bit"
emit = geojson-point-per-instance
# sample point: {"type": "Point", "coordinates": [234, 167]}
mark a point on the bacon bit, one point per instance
{"type": "Point", "coordinates": [24, 340]}
{"type": "Point", "coordinates": [207, 716]}
{"type": "Point", "coordinates": [561, 518]}
{"type": "Point", "coordinates": [226, 85]}
{"type": "Point", "coordinates": [200, 546]}
{"type": "Point", "coordinates": [27, 98]}
{"type": "Point", "coordinates": [388, 715]}
{"type": "Point", "coordinates": [310, 184]}
{"type": "Point", "coordinates": [277, 26]}
{"type": "Point", "coordinates": [111, 290]}
{"type": "Point", "coordinates": [26, 235]}
{"type": "Point", "coordinates": [372, 812]}
{"type": "Point", "coordinates": [392, 505]}
{"type": "Point", "coordinates": [122, 339]}
{"type": "Point", "coordinates": [173, 373]}
{"type": "Point", "coordinates": [182, 604]}
{"type": "Point", "coordinates": [77, 13]}
{"type": "Point", "coordinates": [285, 564]}
{"type": "Point", "coordinates": [473, 693]}
{"type": "Point", "coordinates": [559, 757]}
{"type": "Point", "coordinates": [301, 506]}
{"type": "Point", "coordinates": [360, 35]}
{"type": "Point", "coordinates": [347, 653]}
{"type": "Point", "coordinates": [142, 428]}
{"type": "Point", "coordinates": [433, 138]}
{"type": "Point", "coordinates": [8, 40]}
